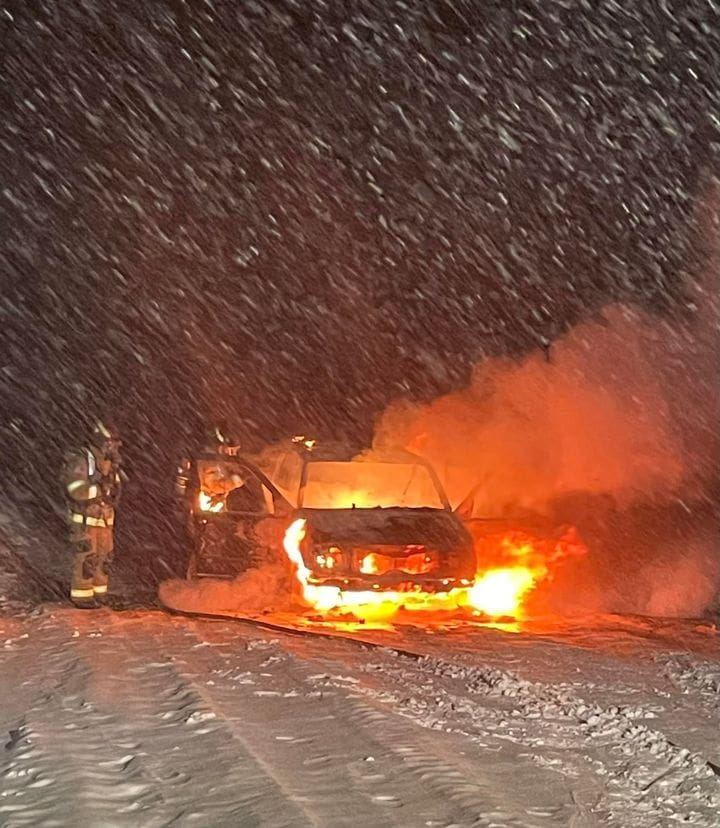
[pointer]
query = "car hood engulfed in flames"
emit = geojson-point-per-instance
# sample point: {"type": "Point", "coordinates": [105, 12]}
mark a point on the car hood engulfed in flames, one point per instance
{"type": "Point", "coordinates": [383, 547]}
{"type": "Point", "coordinates": [389, 525]}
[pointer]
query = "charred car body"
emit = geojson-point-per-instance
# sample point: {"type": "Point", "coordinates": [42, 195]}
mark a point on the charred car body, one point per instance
{"type": "Point", "coordinates": [372, 522]}
{"type": "Point", "coordinates": [381, 524]}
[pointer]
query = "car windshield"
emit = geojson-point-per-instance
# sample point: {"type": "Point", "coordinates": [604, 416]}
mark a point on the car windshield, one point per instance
{"type": "Point", "coordinates": [367, 485]}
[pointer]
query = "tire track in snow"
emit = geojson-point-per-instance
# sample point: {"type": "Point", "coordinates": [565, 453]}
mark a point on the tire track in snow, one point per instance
{"type": "Point", "coordinates": [647, 779]}
{"type": "Point", "coordinates": [270, 731]}
{"type": "Point", "coordinates": [116, 740]}
{"type": "Point", "coordinates": [317, 742]}
{"type": "Point", "coordinates": [62, 766]}
{"type": "Point", "coordinates": [412, 769]}
{"type": "Point", "coordinates": [619, 768]}
{"type": "Point", "coordinates": [121, 728]}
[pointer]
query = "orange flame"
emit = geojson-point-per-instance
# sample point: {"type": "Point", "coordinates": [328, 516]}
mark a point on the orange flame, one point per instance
{"type": "Point", "coordinates": [320, 597]}
{"type": "Point", "coordinates": [208, 504]}
{"type": "Point", "coordinates": [496, 592]}
{"type": "Point", "coordinates": [499, 592]}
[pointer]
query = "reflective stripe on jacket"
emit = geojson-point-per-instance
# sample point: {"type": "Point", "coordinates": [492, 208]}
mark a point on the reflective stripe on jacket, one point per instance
{"type": "Point", "coordinates": [81, 479]}
{"type": "Point", "coordinates": [87, 520]}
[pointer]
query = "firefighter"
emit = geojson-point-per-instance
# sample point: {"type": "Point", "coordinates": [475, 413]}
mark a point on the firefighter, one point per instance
{"type": "Point", "coordinates": [93, 481]}
{"type": "Point", "coordinates": [217, 467]}
{"type": "Point", "coordinates": [202, 485]}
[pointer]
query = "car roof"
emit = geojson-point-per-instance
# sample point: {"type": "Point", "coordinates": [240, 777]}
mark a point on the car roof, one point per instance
{"type": "Point", "coordinates": [342, 453]}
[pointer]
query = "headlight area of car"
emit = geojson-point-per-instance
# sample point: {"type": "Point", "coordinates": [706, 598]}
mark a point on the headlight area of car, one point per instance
{"type": "Point", "coordinates": [328, 560]}
{"type": "Point", "coordinates": [414, 560]}
{"type": "Point", "coordinates": [368, 596]}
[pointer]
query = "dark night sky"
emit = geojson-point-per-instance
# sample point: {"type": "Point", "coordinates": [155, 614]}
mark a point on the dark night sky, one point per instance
{"type": "Point", "coordinates": [298, 211]}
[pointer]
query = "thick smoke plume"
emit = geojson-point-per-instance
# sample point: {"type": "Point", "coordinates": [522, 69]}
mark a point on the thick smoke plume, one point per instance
{"type": "Point", "coordinates": [605, 413]}
{"type": "Point", "coordinates": [616, 424]}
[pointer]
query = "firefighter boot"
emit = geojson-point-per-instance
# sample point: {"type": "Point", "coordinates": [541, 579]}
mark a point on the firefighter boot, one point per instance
{"type": "Point", "coordinates": [82, 593]}
{"type": "Point", "coordinates": [100, 580]}
{"type": "Point", "coordinates": [100, 588]}
{"type": "Point", "coordinates": [83, 597]}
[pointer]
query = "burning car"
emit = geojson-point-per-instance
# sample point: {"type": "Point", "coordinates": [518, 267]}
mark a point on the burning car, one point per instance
{"type": "Point", "coordinates": [376, 524]}
{"type": "Point", "coordinates": [369, 533]}
{"type": "Point", "coordinates": [368, 523]}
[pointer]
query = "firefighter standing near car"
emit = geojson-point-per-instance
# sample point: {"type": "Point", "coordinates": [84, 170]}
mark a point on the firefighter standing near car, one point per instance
{"type": "Point", "coordinates": [217, 465]}
{"type": "Point", "coordinates": [202, 484]}
{"type": "Point", "coordinates": [93, 479]}
{"type": "Point", "coordinates": [204, 479]}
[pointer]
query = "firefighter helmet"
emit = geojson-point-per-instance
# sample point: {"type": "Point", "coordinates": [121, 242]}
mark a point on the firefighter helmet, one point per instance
{"type": "Point", "coordinates": [223, 439]}
{"type": "Point", "coordinates": [303, 442]}
{"type": "Point", "coordinates": [105, 433]}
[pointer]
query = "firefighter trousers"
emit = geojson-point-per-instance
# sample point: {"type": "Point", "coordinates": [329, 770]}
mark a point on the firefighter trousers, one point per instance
{"type": "Point", "coordinates": [92, 554]}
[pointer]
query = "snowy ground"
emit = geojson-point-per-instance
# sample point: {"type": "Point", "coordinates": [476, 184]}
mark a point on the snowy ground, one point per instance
{"type": "Point", "coordinates": [143, 718]}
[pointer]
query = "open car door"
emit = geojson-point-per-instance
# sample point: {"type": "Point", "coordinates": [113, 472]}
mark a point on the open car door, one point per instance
{"type": "Point", "coordinates": [242, 528]}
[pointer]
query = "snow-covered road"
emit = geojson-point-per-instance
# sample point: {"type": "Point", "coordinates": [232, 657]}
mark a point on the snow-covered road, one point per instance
{"type": "Point", "coordinates": [142, 718]}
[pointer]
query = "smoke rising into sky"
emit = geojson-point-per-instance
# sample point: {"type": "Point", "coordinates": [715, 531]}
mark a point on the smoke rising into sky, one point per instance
{"type": "Point", "coordinates": [623, 404]}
